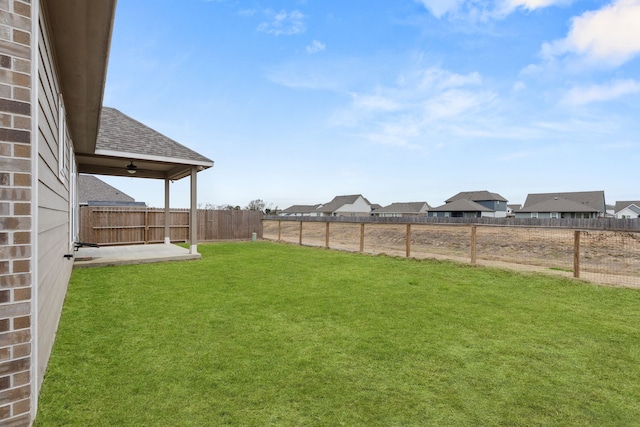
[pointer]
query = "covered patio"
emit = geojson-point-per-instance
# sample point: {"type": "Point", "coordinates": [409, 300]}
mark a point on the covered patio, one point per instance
{"type": "Point", "coordinates": [126, 147]}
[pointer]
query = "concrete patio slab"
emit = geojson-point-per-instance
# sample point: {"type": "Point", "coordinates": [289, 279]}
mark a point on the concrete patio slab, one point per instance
{"type": "Point", "coordinates": [132, 254]}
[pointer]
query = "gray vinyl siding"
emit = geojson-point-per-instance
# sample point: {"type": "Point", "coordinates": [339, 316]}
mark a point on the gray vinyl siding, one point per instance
{"type": "Point", "coordinates": [54, 270]}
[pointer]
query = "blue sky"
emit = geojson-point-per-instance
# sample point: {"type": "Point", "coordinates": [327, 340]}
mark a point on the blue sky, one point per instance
{"type": "Point", "coordinates": [403, 100]}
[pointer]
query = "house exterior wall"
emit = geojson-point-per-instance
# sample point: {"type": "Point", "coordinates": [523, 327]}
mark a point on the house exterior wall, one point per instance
{"type": "Point", "coordinates": [53, 210]}
{"type": "Point", "coordinates": [358, 208]}
{"type": "Point", "coordinates": [17, 238]}
{"type": "Point", "coordinates": [626, 213]}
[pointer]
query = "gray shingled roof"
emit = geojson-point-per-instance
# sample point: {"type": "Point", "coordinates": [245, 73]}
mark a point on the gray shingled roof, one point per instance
{"type": "Point", "coordinates": [477, 196]}
{"type": "Point", "coordinates": [624, 204]}
{"type": "Point", "coordinates": [340, 201]}
{"type": "Point", "coordinates": [119, 132]}
{"type": "Point", "coordinates": [461, 205]}
{"type": "Point", "coordinates": [300, 209]}
{"type": "Point", "coordinates": [404, 208]}
{"type": "Point", "coordinates": [558, 205]}
{"type": "Point", "coordinates": [592, 199]}
{"type": "Point", "coordinates": [91, 189]}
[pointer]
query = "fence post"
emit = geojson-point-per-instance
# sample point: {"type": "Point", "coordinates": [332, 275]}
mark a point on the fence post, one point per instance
{"type": "Point", "coordinates": [279, 229]}
{"type": "Point", "coordinates": [473, 244]}
{"type": "Point", "coordinates": [576, 254]}
{"type": "Point", "coordinates": [408, 240]}
{"type": "Point", "coordinates": [326, 236]}
{"type": "Point", "coordinates": [362, 237]}
{"type": "Point", "coordinates": [146, 227]}
{"type": "Point", "coordinates": [300, 238]}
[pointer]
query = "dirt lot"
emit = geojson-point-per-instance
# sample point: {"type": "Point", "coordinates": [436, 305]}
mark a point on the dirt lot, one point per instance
{"type": "Point", "coordinates": [606, 257]}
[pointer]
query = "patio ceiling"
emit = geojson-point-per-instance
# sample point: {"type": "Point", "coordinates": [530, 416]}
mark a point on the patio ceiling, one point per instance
{"type": "Point", "coordinates": [123, 140]}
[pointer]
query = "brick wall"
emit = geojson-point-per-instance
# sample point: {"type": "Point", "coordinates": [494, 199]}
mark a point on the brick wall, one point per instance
{"type": "Point", "coordinates": [16, 209]}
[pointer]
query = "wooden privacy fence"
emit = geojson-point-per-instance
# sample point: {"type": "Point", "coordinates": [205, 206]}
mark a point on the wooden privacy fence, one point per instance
{"type": "Point", "coordinates": [603, 256]}
{"type": "Point", "coordinates": [128, 225]}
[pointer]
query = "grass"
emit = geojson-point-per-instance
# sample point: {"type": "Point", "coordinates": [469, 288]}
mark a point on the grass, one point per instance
{"type": "Point", "coordinates": [261, 334]}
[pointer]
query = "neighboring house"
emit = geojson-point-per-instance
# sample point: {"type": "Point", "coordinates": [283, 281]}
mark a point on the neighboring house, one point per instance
{"type": "Point", "coordinates": [582, 204]}
{"type": "Point", "coordinates": [300, 210]}
{"type": "Point", "coordinates": [627, 210]}
{"type": "Point", "coordinates": [408, 209]}
{"type": "Point", "coordinates": [95, 192]}
{"type": "Point", "coordinates": [512, 209]}
{"type": "Point", "coordinates": [53, 58]}
{"type": "Point", "coordinates": [472, 204]}
{"type": "Point", "coordinates": [353, 205]}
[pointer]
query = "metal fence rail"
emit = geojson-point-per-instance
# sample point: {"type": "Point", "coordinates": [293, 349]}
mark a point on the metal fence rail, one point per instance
{"type": "Point", "coordinates": [602, 256]}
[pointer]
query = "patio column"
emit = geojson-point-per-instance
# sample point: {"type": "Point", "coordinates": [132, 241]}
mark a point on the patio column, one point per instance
{"type": "Point", "coordinates": [167, 212]}
{"type": "Point", "coordinates": [193, 215]}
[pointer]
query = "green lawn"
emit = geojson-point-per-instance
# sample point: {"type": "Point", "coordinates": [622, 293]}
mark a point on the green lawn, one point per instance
{"type": "Point", "coordinates": [260, 334]}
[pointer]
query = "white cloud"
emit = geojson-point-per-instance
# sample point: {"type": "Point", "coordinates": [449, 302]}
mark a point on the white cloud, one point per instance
{"type": "Point", "coordinates": [439, 8]}
{"type": "Point", "coordinates": [533, 4]}
{"type": "Point", "coordinates": [315, 47]}
{"type": "Point", "coordinates": [581, 95]}
{"type": "Point", "coordinates": [283, 23]}
{"type": "Point", "coordinates": [421, 104]}
{"type": "Point", "coordinates": [609, 36]}
{"type": "Point", "coordinates": [482, 10]}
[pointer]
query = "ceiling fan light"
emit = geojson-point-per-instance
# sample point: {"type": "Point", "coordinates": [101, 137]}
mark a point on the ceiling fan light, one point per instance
{"type": "Point", "coordinates": [131, 168]}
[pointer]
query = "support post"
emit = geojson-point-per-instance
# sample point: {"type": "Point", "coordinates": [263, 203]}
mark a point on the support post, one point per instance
{"type": "Point", "coordinates": [326, 236]}
{"type": "Point", "coordinates": [576, 254]}
{"type": "Point", "coordinates": [473, 243]}
{"type": "Point", "coordinates": [408, 240]}
{"type": "Point", "coordinates": [279, 229]}
{"type": "Point", "coordinates": [193, 214]}
{"type": "Point", "coordinates": [362, 237]}
{"type": "Point", "coordinates": [167, 212]}
{"type": "Point", "coordinates": [300, 235]}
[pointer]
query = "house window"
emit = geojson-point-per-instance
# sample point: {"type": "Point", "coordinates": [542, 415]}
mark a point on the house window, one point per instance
{"type": "Point", "coordinates": [62, 140]}
{"type": "Point", "coordinates": [534, 214]}
{"type": "Point", "coordinates": [554, 215]}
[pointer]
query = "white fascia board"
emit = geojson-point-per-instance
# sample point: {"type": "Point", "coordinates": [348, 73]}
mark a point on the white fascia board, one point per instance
{"type": "Point", "coordinates": [151, 157]}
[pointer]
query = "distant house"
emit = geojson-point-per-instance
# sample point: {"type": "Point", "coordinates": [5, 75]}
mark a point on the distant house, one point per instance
{"type": "Point", "coordinates": [472, 204]}
{"type": "Point", "coordinates": [512, 209]}
{"type": "Point", "coordinates": [582, 204]}
{"type": "Point", "coordinates": [353, 205]}
{"type": "Point", "coordinates": [95, 192]}
{"type": "Point", "coordinates": [300, 210]}
{"type": "Point", "coordinates": [627, 210]}
{"type": "Point", "coordinates": [407, 209]}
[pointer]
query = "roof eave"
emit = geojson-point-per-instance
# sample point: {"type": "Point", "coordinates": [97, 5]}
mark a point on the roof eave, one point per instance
{"type": "Point", "coordinates": [81, 33]}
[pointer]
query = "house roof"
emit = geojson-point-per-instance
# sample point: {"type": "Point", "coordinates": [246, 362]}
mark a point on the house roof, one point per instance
{"type": "Point", "coordinates": [476, 196]}
{"type": "Point", "coordinates": [404, 207]}
{"type": "Point", "coordinates": [123, 139]}
{"type": "Point", "coordinates": [300, 209]}
{"type": "Point", "coordinates": [461, 205]}
{"type": "Point", "coordinates": [592, 199]}
{"type": "Point", "coordinates": [340, 201]}
{"type": "Point", "coordinates": [91, 188]}
{"type": "Point", "coordinates": [81, 36]}
{"type": "Point", "coordinates": [558, 205]}
{"type": "Point", "coordinates": [625, 204]}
